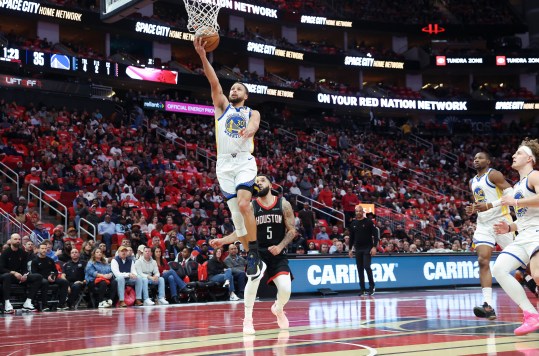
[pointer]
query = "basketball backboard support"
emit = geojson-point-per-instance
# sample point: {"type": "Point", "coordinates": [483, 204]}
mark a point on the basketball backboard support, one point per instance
{"type": "Point", "coordinates": [115, 10]}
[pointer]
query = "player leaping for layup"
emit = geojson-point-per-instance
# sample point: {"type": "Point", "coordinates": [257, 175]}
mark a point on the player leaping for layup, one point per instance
{"type": "Point", "coordinates": [235, 127]}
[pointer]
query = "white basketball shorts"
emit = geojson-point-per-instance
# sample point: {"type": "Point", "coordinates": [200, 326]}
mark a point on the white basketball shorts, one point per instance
{"type": "Point", "coordinates": [525, 245]}
{"type": "Point", "coordinates": [485, 235]}
{"type": "Point", "coordinates": [234, 170]}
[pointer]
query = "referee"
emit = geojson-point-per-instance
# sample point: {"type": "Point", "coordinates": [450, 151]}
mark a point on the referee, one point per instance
{"type": "Point", "coordinates": [364, 238]}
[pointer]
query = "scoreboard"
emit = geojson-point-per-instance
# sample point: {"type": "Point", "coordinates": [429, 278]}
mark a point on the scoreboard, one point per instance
{"type": "Point", "coordinates": [57, 61]}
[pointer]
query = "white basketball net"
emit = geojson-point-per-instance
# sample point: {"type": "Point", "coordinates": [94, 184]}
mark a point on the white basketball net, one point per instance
{"type": "Point", "coordinates": [202, 16]}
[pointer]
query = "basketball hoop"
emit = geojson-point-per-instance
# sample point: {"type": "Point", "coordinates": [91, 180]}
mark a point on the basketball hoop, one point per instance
{"type": "Point", "coordinates": [202, 16]}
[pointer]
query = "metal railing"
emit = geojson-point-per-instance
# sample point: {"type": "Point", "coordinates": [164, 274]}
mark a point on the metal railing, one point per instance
{"type": "Point", "coordinates": [206, 155]}
{"type": "Point", "coordinates": [421, 175]}
{"type": "Point", "coordinates": [320, 133]}
{"type": "Point", "coordinates": [449, 155]}
{"type": "Point", "coordinates": [333, 213]}
{"type": "Point", "coordinates": [9, 225]}
{"type": "Point", "coordinates": [287, 134]}
{"type": "Point", "coordinates": [322, 149]}
{"type": "Point", "coordinates": [36, 193]}
{"type": "Point", "coordinates": [101, 92]}
{"type": "Point", "coordinates": [174, 138]}
{"type": "Point", "coordinates": [11, 175]}
{"type": "Point", "coordinates": [90, 234]}
{"type": "Point", "coordinates": [393, 223]}
{"type": "Point", "coordinates": [421, 141]}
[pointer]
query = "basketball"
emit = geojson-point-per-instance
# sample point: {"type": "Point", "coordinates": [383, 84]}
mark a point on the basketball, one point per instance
{"type": "Point", "coordinates": [210, 36]}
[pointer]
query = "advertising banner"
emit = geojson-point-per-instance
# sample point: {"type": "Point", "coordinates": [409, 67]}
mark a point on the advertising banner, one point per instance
{"type": "Point", "coordinates": [390, 272]}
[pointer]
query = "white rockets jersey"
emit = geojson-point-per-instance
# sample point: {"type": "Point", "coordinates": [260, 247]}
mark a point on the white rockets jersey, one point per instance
{"type": "Point", "coordinates": [526, 217]}
{"type": "Point", "coordinates": [227, 131]}
{"type": "Point", "coordinates": [484, 191]}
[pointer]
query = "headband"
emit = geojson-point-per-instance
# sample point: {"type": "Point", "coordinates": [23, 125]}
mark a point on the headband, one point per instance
{"type": "Point", "coordinates": [528, 151]}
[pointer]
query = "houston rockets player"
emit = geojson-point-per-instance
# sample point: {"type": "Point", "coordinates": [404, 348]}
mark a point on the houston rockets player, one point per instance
{"type": "Point", "coordinates": [275, 230]}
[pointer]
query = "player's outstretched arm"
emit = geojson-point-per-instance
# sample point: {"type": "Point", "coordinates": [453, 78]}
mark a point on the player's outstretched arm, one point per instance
{"type": "Point", "coordinates": [252, 127]}
{"type": "Point", "coordinates": [227, 240]}
{"type": "Point", "coordinates": [219, 99]}
{"type": "Point", "coordinates": [288, 214]}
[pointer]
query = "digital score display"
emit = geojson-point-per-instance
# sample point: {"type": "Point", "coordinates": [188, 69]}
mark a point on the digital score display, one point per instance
{"type": "Point", "coordinates": [59, 61]}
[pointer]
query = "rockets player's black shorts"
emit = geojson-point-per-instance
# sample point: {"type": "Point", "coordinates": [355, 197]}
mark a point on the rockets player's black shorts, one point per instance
{"type": "Point", "coordinates": [276, 265]}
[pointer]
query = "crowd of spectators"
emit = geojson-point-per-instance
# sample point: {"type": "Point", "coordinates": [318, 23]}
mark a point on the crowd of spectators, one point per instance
{"type": "Point", "coordinates": [135, 179]}
{"type": "Point", "coordinates": [142, 189]}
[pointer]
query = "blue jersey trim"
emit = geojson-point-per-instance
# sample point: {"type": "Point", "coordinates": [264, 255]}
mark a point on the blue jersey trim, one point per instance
{"type": "Point", "coordinates": [516, 257]}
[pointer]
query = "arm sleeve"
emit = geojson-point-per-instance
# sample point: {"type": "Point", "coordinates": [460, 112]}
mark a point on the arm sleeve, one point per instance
{"type": "Point", "coordinates": [375, 235]}
{"type": "Point", "coordinates": [352, 234]}
{"type": "Point", "coordinates": [155, 269]}
{"type": "Point", "coordinates": [3, 267]}
{"type": "Point", "coordinates": [115, 269]}
{"type": "Point", "coordinates": [138, 269]}
{"type": "Point", "coordinates": [133, 269]}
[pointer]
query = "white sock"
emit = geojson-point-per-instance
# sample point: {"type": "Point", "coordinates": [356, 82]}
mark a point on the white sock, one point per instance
{"type": "Point", "coordinates": [506, 263]}
{"type": "Point", "coordinates": [284, 288]}
{"type": "Point", "coordinates": [28, 301]}
{"type": "Point", "coordinates": [7, 303]}
{"type": "Point", "coordinates": [249, 296]}
{"type": "Point", "coordinates": [487, 295]}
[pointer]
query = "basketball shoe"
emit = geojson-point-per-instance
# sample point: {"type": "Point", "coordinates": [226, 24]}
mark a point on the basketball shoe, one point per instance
{"type": "Point", "coordinates": [255, 266]}
{"type": "Point", "coordinates": [248, 328]}
{"type": "Point", "coordinates": [282, 320]}
{"type": "Point", "coordinates": [530, 324]}
{"type": "Point", "coordinates": [485, 311]}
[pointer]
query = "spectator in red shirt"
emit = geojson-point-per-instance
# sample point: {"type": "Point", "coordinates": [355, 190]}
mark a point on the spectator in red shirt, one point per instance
{"type": "Point", "coordinates": [169, 226]}
{"type": "Point", "coordinates": [349, 202]}
{"type": "Point", "coordinates": [326, 197]}
{"type": "Point", "coordinates": [6, 204]}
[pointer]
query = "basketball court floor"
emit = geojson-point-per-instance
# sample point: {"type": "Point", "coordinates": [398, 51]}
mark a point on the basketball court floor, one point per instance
{"type": "Point", "coordinates": [436, 322]}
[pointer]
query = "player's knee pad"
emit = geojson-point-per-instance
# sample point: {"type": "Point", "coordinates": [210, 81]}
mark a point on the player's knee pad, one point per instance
{"type": "Point", "coordinates": [237, 218]}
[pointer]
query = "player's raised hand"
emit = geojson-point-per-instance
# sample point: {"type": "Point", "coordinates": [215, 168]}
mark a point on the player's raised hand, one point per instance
{"type": "Point", "coordinates": [199, 46]}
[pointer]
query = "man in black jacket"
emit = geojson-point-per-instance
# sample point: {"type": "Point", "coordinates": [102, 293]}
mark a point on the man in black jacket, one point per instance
{"type": "Point", "coordinates": [74, 273]}
{"type": "Point", "coordinates": [46, 267]}
{"type": "Point", "coordinates": [363, 239]}
{"type": "Point", "coordinates": [14, 269]}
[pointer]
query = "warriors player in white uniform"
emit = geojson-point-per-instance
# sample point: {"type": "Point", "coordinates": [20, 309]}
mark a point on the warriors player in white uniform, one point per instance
{"type": "Point", "coordinates": [525, 248]}
{"type": "Point", "coordinates": [488, 186]}
{"type": "Point", "coordinates": [235, 127]}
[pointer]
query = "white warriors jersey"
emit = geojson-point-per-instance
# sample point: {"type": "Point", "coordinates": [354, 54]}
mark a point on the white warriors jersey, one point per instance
{"type": "Point", "coordinates": [526, 217]}
{"type": "Point", "coordinates": [484, 191]}
{"type": "Point", "coordinates": [227, 131]}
